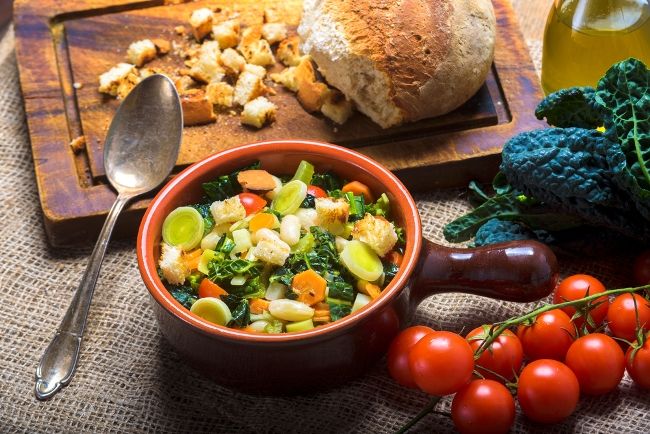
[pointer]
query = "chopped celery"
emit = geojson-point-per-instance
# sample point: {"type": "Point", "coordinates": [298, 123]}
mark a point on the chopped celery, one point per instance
{"type": "Point", "coordinates": [194, 280]}
{"type": "Point", "coordinates": [242, 239]}
{"type": "Point", "coordinates": [360, 301]}
{"type": "Point", "coordinates": [207, 256]}
{"type": "Point", "coordinates": [305, 244]}
{"type": "Point", "coordinates": [274, 327]}
{"type": "Point", "coordinates": [183, 228]}
{"type": "Point", "coordinates": [290, 197]}
{"type": "Point", "coordinates": [300, 326]}
{"type": "Point", "coordinates": [212, 309]}
{"type": "Point", "coordinates": [331, 300]}
{"type": "Point", "coordinates": [362, 261]}
{"type": "Point", "coordinates": [304, 172]}
{"type": "Point", "coordinates": [380, 207]}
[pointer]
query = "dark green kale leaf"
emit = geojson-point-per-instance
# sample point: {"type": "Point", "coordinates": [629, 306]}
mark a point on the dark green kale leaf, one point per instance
{"type": "Point", "coordinates": [327, 181]}
{"type": "Point", "coordinates": [338, 311]}
{"type": "Point", "coordinates": [357, 206]}
{"type": "Point", "coordinates": [226, 186]}
{"type": "Point", "coordinates": [572, 107]}
{"type": "Point", "coordinates": [241, 315]}
{"type": "Point", "coordinates": [221, 270]}
{"type": "Point", "coordinates": [390, 270]}
{"type": "Point", "coordinates": [499, 231]}
{"type": "Point", "coordinates": [309, 202]}
{"type": "Point", "coordinates": [184, 294]}
{"type": "Point", "coordinates": [208, 220]}
{"type": "Point", "coordinates": [283, 275]}
{"type": "Point", "coordinates": [338, 288]}
{"type": "Point", "coordinates": [625, 92]}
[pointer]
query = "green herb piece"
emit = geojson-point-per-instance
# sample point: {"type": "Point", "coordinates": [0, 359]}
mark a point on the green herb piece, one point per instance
{"type": "Point", "coordinates": [338, 310]}
{"type": "Point", "coordinates": [340, 289]}
{"type": "Point", "coordinates": [381, 207]}
{"type": "Point", "coordinates": [309, 202]}
{"type": "Point", "coordinates": [225, 245]}
{"type": "Point", "coordinates": [357, 206]}
{"type": "Point", "coordinates": [208, 220]}
{"type": "Point", "coordinates": [194, 280]}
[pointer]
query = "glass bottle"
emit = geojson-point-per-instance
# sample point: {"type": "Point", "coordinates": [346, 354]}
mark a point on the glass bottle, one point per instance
{"type": "Point", "coordinates": [583, 38]}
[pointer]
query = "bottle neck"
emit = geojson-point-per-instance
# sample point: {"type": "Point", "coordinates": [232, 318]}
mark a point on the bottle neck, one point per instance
{"type": "Point", "coordinates": [603, 15]}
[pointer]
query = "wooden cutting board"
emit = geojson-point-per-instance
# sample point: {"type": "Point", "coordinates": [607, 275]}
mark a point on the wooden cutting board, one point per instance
{"type": "Point", "coordinates": [63, 46]}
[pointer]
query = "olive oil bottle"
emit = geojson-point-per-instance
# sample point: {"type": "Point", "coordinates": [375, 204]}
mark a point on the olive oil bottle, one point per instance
{"type": "Point", "coordinates": [584, 38]}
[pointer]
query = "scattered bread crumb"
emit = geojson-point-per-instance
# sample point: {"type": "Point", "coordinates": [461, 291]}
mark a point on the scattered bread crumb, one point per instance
{"type": "Point", "coordinates": [77, 85]}
{"type": "Point", "coordinates": [163, 46]}
{"type": "Point", "coordinates": [141, 52]}
{"type": "Point", "coordinates": [201, 23]}
{"type": "Point", "coordinates": [111, 79]}
{"type": "Point", "coordinates": [184, 83]}
{"type": "Point", "coordinates": [180, 30]}
{"type": "Point", "coordinates": [311, 93]}
{"type": "Point", "coordinates": [274, 32]}
{"type": "Point", "coordinates": [78, 144]}
{"type": "Point", "coordinates": [258, 112]}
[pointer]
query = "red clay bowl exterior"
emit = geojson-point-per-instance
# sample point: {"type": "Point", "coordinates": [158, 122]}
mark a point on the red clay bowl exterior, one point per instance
{"type": "Point", "coordinates": [334, 353]}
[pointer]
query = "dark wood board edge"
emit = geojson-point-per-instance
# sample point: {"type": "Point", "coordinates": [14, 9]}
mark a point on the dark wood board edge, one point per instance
{"type": "Point", "coordinates": [47, 122]}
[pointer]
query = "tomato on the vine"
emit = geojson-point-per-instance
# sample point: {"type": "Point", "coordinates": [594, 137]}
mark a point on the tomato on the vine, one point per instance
{"type": "Point", "coordinates": [397, 359]}
{"type": "Point", "coordinates": [483, 407]}
{"type": "Point", "coordinates": [598, 362]}
{"type": "Point", "coordinates": [441, 363]}
{"type": "Point", "coordinates": [251, 202]}
{"type": "Point", "coordinates": [316, 191]}
{"type": "Point", "coordinates": [577, 287]}
{"type": "Point", "coordinates": [637, 363]}
{"type": "Point", "coordinates": [642, 268]}
{"type": "Point", "coordinates": [548, 391]}
{"type": "Point", "coordinates": [622, 316]}
{"type": "Point", "coordinates": [549, 337]}
{"type": "Point", "coordinates": [503, 357]}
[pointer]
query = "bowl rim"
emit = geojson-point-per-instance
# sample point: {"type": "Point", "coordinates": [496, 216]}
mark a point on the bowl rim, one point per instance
{"type": "Point", "coordinates": [148, 268]}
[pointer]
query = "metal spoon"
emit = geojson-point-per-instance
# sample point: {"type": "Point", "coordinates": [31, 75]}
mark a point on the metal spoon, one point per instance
{"type": "Point", "coordinates": [140, 151]}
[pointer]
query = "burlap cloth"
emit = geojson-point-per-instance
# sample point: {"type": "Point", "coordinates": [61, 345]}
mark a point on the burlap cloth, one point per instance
{"type": "Point", "coordinates": [130, 380]}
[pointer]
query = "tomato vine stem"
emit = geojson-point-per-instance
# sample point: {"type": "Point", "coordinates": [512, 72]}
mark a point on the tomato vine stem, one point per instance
{"type": "Point", "coordinates": [425, 411]}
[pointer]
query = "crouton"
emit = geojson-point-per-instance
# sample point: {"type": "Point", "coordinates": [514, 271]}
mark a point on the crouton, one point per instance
{"type": "Point", "coordinates": [171, 264]}
{"type": "Point", "coordinates": [249, 36]}
{"type": "Point", "coordinates": [162, 46]}
{"type": "Point", "coordinates": [287, 78]}
{"type": "Point", "coordinates": [260, 71]}
{"type": "Point", "coordinates": [226, 33]}
{"type": "Point", "coordinates": [273, 252]}
{"type": "Point", "coordinates": [377, 232]}
{"type": "Point", "coordinates": [78, 144]}
{"type": "Point", "coordinates": [207, 68]}
{"type": "Point", "coordinates": [111, 79]}
{"type": "Point", "coordinates": [256, 180]}
{"type": "Point", "coordinates": [308, 218]}
{"type": "Point", "coordinates": [336, 107]}
{"type": "Point", "coordinates": [141, 52]}
{"type": "Point", "coordinates": [184, 83]}
{"type": "Point", "coordinates": [249, 86]}
{"type": "Point", "coordinates": [233, 63]}
{"type": "Point", "coordinates": [332, 214]}
{"type": "Point", "coordinates": [201, 23]}
{"type": "Point", "coordinates": [289, 51]}
{"type": "Point", "coordinates": [220, 94]}
{"type": "Point", "coordinates": [258, 112]}
{"type": "Point", "coordinates": [148, 72]}
{"type": "Point", "coordinates": [259, 53]}
{"type": "Point", "coordinates": [197, 109]}
{"type": "Point", "coordinates": [311, 93]}
{"type": "Point", "coordinates": [126, 86]}
{"type": "Point", "coordinates": [274, 32]}
{"type": "Point", "coordinates": [272, 15]}
{"type": "Point", "coordinates": [227, 211]}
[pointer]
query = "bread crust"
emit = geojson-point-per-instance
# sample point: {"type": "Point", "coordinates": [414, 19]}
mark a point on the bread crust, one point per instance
{"type": "Point", "coordinates": [434, 55]}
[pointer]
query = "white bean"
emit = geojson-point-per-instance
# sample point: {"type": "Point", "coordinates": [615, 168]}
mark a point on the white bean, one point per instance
{"type": "Point", "coordinates": [275, 291]}
{"type": "Point", "coordinates": [290, 310]}
{"type": "Point", "coordinates": [265, 234]}
{"type": "Point", "coordinates": [290, 229]}
{"type": "Point", "coordinates": [341, 243]}
{"type": "Point", "coordinates": [210, 241]}
{"type": "Point", "coordinates": [308, 217]}
{"type": "Point", "coordinates": [259, 326]}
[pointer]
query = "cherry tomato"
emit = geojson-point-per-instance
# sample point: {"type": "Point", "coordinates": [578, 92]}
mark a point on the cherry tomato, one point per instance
{"type": "Point", "coordinates": [579, 286]}
{"type": "Point", "coordinates": [598, 362]}
{"type": "Point", "coordinates": [251, 202]}
{"type": "Point", "coordinates": [638, 364]}
{"type": "Point", "coordinates": [397, 360]}
{"type": "Point", "coordinates": [504, 356]}
{"type": "Point", "coordinates": [549, 337]}
{"type": "Point", "coordinates": [483, 407]}
{"type": "Point", "coordinates": [622, 316]}
{"type": "Point", "coordinates": [642, 268]}
{"type": "Point", "coordinates": [548, 391]}
{"type": "Point", "coordinates": [441, 363]}
{"type": "Point", "coordinates": [316, 191]}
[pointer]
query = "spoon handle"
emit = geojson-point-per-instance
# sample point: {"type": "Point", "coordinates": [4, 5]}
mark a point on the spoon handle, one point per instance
{"type": "Point", "coordinates": [59, 361]}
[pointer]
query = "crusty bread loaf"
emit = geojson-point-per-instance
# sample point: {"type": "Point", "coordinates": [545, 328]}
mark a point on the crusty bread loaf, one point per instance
{"type": "Point", "coordinates": [401, 60]}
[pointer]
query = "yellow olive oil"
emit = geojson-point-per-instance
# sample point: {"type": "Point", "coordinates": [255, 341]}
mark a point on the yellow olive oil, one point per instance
{"type": "Point", "coordinates": [585, 37]}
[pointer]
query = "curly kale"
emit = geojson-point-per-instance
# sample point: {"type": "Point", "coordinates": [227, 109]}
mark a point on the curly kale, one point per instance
{"type": "Point", "coordinates": [499, 231]}
{"type": "Point", "coordinates": [572, 107]}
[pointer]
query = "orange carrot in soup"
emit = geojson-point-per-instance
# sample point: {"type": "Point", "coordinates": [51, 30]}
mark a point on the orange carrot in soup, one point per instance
{"type": "Point", "coordinates": [208, 288]}
{"type": "Point", "coordinates": [359, 189]}
{"type": "Point", "coordinates": [262, 220]}
{"type": "Point", "coordinates": [258, 305]}
{"type": "Point", "coordinates": [309, 286]}
{"type": "Point", "coordinates": [192, 258]}
{"type": "Point", "coordinates": [395, 257]}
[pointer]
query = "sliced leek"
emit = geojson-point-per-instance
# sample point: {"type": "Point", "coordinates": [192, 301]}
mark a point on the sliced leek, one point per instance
{"type": "Point", "coordinates": [183, 228]}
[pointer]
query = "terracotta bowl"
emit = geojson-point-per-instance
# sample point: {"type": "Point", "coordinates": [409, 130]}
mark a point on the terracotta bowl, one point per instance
{"type": "Point", "coordinates": [339, 351]}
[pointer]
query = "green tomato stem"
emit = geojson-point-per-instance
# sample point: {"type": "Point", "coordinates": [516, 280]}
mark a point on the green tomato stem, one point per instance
{"type": "Point", "coordinates": [426, 410]}
{"type": "Point", "coordinates": [521, 319]}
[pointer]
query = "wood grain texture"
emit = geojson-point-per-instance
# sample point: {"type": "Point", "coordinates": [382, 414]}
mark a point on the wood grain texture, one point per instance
{"type": "Point", "coordinates": [60, 42]}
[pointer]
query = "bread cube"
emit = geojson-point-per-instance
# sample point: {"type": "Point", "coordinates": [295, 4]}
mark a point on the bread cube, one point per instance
{"type": "Point", "coordinates": [332, 214]}
{"type": "Point", "coordinates": [220, 94]}
{"type": "Point", "coordinates": [171, 264]}
{"type": "Point", "coordinates": [184, 83]}
{"type": "Point", "coordinates": [226, 33]}
{"type": "Point", "coordinates": [111, 79]}
{"type": "Point", "coordinates": [249, 86]}
{"type": "Point", "coordinates": [227, 211]}
{"type": "Point", "coordinates": [162, 45]}
{"type": "Point", "coordinates": [249, 36]}
{"type": "Point", "coordinates": [232, 62]}
{"type": "Point", "coordinates": [287, 78]}
{"type": "Point", "coordinates": [258, 53]}
{"type": "Point", "coordinates": [337, 107]}
{"type": "Point", "coordinates": [258, 112]}
{"type": "Point", "coordinates": [201, 23]}
{"type": "Point", "coordinates": [260, 71]}
{"type": "Point", "coordinates": [377, 232]}
{"type": "Point", "coordinates": [197, 109]}
{"type": "Point", "coordinates": [272, 15]}
{"type": "Point", "coordinates": [207, 68]}
{"type": "Point", "coordinates": [141, 52]}
{"type": "Point", "coordinates": [311, 93]}
{"type": "Point", "coordinates": [274, 32]}
{"type": "Point", "coordinates": [289, 51]}
{"type": "Point", "coordinates": [273, 252]}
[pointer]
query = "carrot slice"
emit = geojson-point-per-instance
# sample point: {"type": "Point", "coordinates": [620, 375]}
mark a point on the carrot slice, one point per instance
{"type": "Point", "coordinates": [208, 288]}
{"type": "Point", "coordinates": [192, 258]}
{"type": "Point", "coordinates": [262, 220]}
{"type": "Point", "coordinates": [395, 257]}
{"type": "Point", "coordinates": [359, 188]}
{"type": "Point", "coordinates": [369, 289]}
{"type": "Point", "coordinates": [309, 286]}
{"type": "Point", "coordinates": [258, 305]}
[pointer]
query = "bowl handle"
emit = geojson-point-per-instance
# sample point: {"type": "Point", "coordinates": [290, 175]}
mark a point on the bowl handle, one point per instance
{"type": "Point", "coordinates": [520, 271]}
